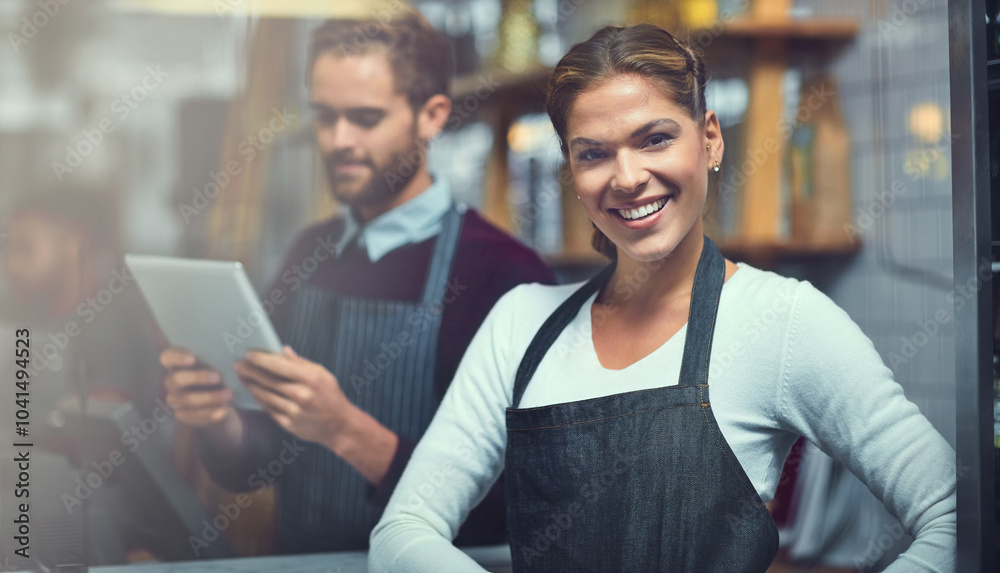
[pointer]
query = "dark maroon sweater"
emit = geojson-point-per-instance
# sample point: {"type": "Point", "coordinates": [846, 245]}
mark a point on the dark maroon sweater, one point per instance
{"type": "Point", "coordinates": [488, 262]}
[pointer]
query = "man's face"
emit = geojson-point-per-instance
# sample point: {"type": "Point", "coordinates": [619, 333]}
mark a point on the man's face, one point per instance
{"type": "Point", "coordinates": [365, 128]}
{"type": "Point", "coordinates": [35, 258]}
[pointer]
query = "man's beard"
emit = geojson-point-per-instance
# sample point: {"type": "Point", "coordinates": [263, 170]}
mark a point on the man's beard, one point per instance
{"type": "Point", "coordinates": [385, 182]}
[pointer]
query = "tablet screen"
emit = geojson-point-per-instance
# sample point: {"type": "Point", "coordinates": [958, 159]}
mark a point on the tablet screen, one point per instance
{"type": "Point", "coordinates": [209, 308]}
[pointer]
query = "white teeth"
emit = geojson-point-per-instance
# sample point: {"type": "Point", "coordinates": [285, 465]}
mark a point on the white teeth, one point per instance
{"type": "Point", "coordinates": [642, 211]}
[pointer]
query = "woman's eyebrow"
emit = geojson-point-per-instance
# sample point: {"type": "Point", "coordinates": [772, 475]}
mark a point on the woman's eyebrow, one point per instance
{"type": "Point", "coordinates": [641, 131]}
{"type": "Point", "coordinates": [655, 123]}
{"type": "Point", "coordinates": [584, 141]}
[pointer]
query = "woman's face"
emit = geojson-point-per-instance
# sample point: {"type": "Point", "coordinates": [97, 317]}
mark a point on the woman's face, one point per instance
{"type": "Point", "coordinates": [640, 164]}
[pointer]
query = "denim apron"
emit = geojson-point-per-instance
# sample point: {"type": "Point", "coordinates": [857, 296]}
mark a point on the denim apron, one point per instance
{"type": "Point", "coordinates": [383, 354]}
{"type": "Point", "coordinates": [638, 481]}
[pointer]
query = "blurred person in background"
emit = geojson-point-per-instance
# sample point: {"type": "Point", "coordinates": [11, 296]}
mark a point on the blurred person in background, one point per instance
{"type": "Point", "coordinates": [65, 278]}
{"type": "Point", "coordinates": [401, 282]}
{"type": "Point", "coordinates": [90, 335]}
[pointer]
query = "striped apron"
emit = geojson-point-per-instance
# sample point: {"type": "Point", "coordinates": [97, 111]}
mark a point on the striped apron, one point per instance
{"type": "Point", "coordinates": [383, 354]}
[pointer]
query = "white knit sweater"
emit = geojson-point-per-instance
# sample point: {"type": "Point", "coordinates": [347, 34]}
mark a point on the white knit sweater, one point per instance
{"type": "Point", "coordinates": [786, 361]}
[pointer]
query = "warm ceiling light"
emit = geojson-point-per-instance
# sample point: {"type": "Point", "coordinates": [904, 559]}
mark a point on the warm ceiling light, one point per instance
{"type": "Point", "coordinates": [267, 8]}
{"type": "Point", "coordinates": [926, 122]}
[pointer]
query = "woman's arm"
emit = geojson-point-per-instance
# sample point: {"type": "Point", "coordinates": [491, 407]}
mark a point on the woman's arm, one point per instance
{"type": "Point", "coordinates": [836, 391]}
{"type": "Point", "coordinates": [456, 461]}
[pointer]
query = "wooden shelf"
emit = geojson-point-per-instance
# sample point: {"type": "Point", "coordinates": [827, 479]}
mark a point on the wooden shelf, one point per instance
{"type": "Point", "coordinates": [838, 29]}
{"type": "Point", "coordinates": [734, 249]}
{"type": "Point", "coordinates": [500, 80]}
{"type": "Point", "coordinates": [770, 39]}
{"type": "Point", "coordinates": [768, 254]}
{"type": "Point", "coordinates": [833, 29]}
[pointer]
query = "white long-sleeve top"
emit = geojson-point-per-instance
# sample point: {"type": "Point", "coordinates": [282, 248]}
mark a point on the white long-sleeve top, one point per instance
{"type": "Point", "coordinates": [786, 361]}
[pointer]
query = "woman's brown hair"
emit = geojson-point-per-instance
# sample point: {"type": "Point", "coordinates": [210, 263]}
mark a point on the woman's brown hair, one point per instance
{"type": "Point", "coordinates": [642, 50]}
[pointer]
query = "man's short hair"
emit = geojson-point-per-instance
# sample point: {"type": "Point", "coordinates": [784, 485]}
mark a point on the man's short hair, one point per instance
{"type": "Point", "coordinates": [420, 56]}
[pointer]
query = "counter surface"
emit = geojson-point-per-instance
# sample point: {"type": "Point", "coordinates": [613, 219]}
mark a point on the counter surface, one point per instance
{"type": "Point", "coordinates": [494, 558]}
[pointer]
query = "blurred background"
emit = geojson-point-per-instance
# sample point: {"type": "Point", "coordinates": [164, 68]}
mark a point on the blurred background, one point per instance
{"type": "Point", "coordinates": [118, 117]}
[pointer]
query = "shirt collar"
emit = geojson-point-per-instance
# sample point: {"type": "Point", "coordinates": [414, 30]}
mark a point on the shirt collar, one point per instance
{"type": "Point", "coordinates": [416, 220]}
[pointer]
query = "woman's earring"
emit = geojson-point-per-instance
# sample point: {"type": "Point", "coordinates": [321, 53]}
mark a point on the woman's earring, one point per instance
{"type": "Point", "coordinates": [716, 168]}
{"type": "Point", "coordinates": [578, 197]}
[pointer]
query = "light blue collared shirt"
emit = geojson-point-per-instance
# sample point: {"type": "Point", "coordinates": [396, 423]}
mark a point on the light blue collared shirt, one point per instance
{"type": "Point", "coordinates": [416, 220]}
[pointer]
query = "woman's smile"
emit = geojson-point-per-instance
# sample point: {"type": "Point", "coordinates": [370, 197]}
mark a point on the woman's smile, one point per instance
{"type": "Point", "coordinates": [641, 214]}
{"type": "Point", "coordinates": [640, 209]}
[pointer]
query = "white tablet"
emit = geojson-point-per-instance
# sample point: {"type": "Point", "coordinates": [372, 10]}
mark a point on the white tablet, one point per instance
{"type": "Point", "coordinates": [209, 308]}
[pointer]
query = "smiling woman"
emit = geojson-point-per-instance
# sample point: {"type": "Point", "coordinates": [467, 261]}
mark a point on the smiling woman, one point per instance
{"type": "Point", "coordinates": [660, 95]}
{"type": "Point", "coordinates": [641, 180]}
{"type": "Point", "coordinates": [594, 399]}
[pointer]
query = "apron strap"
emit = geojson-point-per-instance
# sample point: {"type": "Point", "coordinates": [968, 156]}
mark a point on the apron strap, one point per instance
{"type": "Point", "coordinates": [553, 326]}
{"type": "Point", "coordinates": [444, 254]}
{"type": "Point", "coordinates": [708, 280]}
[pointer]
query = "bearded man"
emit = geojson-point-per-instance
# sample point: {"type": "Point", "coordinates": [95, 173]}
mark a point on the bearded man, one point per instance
{"type": "Point", "coordinates": [403, 281]}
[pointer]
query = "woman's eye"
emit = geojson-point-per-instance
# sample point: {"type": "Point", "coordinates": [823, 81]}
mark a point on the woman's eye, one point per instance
{"type": "Point", "coordinates": [589, 155]}
{"type": "Point", "coordinates": [658, 140]}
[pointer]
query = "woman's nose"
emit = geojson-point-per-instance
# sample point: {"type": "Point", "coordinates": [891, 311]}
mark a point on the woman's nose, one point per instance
{"type": "Point", "coordinates": [630, 175]}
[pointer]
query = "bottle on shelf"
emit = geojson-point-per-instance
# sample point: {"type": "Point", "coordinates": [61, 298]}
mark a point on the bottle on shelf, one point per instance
{"type": "Point", "coordinates": [817, 168]}
{"type": "Point", "coordinates": [697, 14]}
{"type": "Point", "coordinates": [518, 43]}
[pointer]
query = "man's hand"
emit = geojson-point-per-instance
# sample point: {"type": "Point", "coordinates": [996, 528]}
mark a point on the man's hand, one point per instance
{"type": "Point", "coordinates": [302, 396]}
{"type": "Point", "coordinates": [199, 399]}
{"type": "Point", "coordinates": [195, 393]}
{"type": "Point", "coordinates": [305, 399]}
